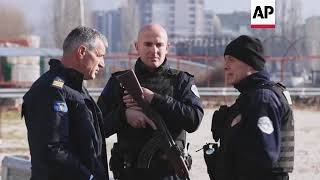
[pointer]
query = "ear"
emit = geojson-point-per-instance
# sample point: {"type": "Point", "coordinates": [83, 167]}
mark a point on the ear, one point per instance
{"type": "Point", "coordinates": [81, 51]}
{"type": "Point", "coordinates": [251, 70]}
{"type": "Point", "coordinates": [168, 46]}
{"type": "Point", "coordinates": [136, 45]}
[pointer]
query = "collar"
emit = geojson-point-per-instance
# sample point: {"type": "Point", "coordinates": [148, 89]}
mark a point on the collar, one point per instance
{"type": "Point", "coordinates": [253, 81]}
{"type": "Point", "coordinates": [141, 69]}
{"type": "Point", "coordinates": [71, 77]}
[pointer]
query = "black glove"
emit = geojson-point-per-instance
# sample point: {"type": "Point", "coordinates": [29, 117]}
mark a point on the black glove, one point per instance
{"type": "Point", "coordinates": [219, 121]}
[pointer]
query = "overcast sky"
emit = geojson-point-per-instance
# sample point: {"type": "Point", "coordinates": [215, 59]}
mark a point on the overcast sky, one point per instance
{"type": "Point", "coordinates": [35, 8]}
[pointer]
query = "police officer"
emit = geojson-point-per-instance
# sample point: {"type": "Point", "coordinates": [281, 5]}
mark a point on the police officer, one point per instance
{"type": "Point", "coordinates": [65, 126]}
{"type": "Point", "coordinates": [170, 92]}
{"type": "Point", "coordinates": [256, 133]}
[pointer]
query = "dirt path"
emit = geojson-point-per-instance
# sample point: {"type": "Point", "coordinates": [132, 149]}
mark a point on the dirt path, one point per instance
{"type": "Point", "coordinates": [307, 154]}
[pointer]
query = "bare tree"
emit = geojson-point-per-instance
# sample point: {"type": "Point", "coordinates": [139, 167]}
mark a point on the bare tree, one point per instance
{"type": "Point", "coordinates": [290, 18]}
{"type": "Point", "coordinates": [12, 22]}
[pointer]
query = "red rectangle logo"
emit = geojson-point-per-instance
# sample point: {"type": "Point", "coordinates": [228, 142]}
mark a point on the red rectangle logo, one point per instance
{"type": "Point", "coordinates": [263, 25]}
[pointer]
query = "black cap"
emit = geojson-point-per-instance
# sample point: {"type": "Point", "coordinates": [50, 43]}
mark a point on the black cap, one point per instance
{"type": "Point", "coordinates": [248, 50]}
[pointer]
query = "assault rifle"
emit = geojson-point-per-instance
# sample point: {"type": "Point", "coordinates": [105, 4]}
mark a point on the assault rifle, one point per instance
{"type": "Point", "coordinates": [162, 138]}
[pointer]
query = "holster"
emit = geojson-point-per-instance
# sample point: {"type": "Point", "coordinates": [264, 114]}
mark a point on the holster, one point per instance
{"type": "Point", "coordinates": [116, 161]}
{"type": "Point", "coordinates": [210, 157]}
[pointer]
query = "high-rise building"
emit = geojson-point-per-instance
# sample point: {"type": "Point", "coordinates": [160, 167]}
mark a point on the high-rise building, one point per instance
{"type": "Point", "coordinates": [235, 23]}
{"type": "Point", "coordinates": [108, 23]}
{"type": "Point", "coordinates": [312, 39]}
{"type": "Point", "coordinates": [212, 24]}
{"type": "Point", "coordinates": [179, 17]}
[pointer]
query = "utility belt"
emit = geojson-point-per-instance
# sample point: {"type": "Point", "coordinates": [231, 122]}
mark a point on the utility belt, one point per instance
{"type": "Point", "coordinates": [217, 162]}
{"type": "Point", "coordinates": [217, 171]}
{"type": "Point", "coordinates": [122, 160]}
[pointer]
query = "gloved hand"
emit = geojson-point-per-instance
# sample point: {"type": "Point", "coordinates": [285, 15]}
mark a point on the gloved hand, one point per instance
{"type": "Point", "coordinates": [219, 121]}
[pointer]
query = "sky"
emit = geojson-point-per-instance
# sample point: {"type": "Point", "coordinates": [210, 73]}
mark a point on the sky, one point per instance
{"type": "Point", "coordinates": [35, 9]}
{"type": "Point", "coordinates": [309, 7]}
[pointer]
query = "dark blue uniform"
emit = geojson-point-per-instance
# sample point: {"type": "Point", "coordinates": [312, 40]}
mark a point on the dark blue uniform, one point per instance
{"type": "Point", "coordinates": [65, 128]}
{"type": "Point", "coordinates": [257, 137]}
{"type": "Point", "coordinates": [251, 141]}
{"type": "Point", "coordinates": [176, 99]}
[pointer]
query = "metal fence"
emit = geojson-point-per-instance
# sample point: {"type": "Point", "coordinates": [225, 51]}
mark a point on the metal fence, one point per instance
{"type": "Point", "coordinates": [203, 91]}
{"type": "Point", "coordinates": [19, 67]}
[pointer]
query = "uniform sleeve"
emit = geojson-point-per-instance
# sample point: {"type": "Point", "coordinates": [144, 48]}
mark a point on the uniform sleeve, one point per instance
{"type": "Point", "coordinates": [186, 110]}
{"type": "Point", "coordinates": [111, 106]}
{"type": "Point", "coordinates": [261, 134]}
{"type": "Point", "coordinates": [50, 128]}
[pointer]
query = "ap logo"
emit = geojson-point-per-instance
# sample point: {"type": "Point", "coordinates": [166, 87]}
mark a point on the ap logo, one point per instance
{"type": "Point", "coordinates": [263, 14]}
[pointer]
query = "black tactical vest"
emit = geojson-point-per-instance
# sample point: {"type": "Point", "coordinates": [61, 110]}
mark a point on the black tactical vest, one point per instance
{"type": "Point", "coordinates": [221, 130]}
{"type": "Point", "coordinates": [286, 159]}
{"type": "Point", "coordinates": [165, 83]}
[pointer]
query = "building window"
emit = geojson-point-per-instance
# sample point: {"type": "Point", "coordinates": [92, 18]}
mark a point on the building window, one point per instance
{"type": "Point", "coordinates": [192, 22]}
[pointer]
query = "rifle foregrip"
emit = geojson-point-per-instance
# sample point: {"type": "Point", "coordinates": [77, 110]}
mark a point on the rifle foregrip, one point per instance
{"type": "Point", "coordinates": [178, 162]}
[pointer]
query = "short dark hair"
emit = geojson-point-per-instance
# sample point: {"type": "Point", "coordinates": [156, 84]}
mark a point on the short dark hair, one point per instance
{"type": "Point", "coordinates": [82, 35]}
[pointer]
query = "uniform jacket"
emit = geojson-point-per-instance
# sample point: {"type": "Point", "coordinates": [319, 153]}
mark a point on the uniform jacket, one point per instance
{"type": "Point", "coordinates": [176, 99]}
{"type": "Point", "coordinates": [255, 140]}
{"type": "Point", "coordinates": [65, 128]}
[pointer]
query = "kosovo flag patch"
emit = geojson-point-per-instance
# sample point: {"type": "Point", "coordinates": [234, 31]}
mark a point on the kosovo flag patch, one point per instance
{"type": "Point", "coordinates": [60, 106]}
{"type": "Point", "coordinates": [58, 83]}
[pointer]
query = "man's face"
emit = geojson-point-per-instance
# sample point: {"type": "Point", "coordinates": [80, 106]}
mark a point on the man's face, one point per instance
{"type": "Point", "coordinates": [152, 47]}
{"type": "Point", "coordinates": [235, 70]}
{"type": "Point", "coordinates": [93, 60]}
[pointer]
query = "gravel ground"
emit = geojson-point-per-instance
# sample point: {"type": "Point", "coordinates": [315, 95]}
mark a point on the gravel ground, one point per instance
{"type": "Point", "coordinates": [307, 154]}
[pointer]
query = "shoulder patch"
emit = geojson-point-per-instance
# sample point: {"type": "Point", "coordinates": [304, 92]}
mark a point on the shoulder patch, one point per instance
{"type": "Point", "coordinates": [195, 91]}
{"type": "Point", "coordinates": [58, 83]}
{"type": "Point", "coordinates": [60, 106]}
{"type": "Point", "coordinates": [265, 125]}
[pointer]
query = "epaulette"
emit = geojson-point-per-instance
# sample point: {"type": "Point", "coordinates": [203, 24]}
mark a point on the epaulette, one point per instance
{"type": "Point", "coordinates": [173, 71]}
{"type": "Point", "coordinates": [57, 83]}
{"type": "Point", "coordinates": [281, 85]}
{"type": "Point", "coordinates": [188, 74]}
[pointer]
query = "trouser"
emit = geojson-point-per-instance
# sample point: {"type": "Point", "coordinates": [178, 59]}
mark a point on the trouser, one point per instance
{"type": "Point", "coordinates": [274, 176]}
{"type": "Point", "coordinates": [141, 174]}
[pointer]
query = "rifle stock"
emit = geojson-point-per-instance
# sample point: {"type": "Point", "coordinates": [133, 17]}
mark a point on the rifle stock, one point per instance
{"type": "Point", "coordinates": [130, 82]}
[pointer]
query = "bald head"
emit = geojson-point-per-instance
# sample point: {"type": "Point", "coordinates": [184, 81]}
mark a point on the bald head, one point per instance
{"type": "Point", "coordinates": [152, 45]}
{"type": "Point", "coordinates": [153, 28]}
